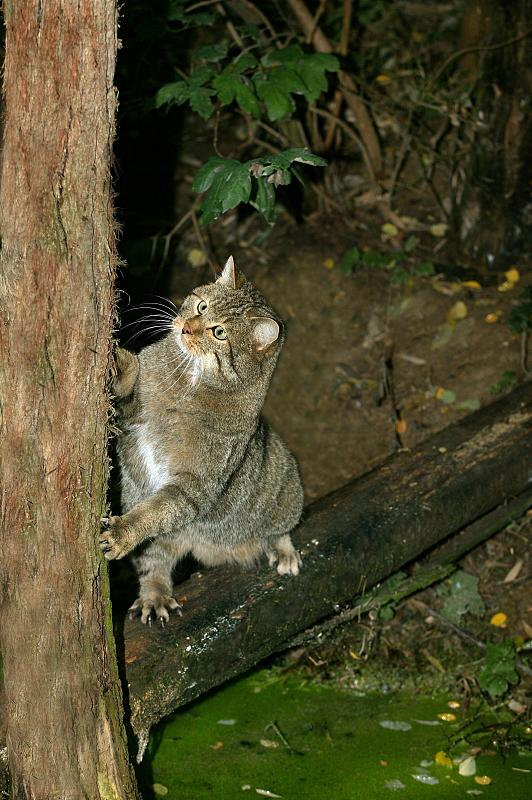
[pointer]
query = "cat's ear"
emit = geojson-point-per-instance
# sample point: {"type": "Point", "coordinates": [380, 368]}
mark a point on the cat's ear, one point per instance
{"type": "Point", "coordinates": [230, 276]}
{"type": "Point", "coordinates": [265, 332]}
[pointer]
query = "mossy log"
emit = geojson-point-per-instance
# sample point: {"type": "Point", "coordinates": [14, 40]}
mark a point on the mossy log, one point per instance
{"type": "Point", "coordinates": [350, 540]}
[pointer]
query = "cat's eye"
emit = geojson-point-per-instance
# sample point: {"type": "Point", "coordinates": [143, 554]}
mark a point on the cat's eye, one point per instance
{"type": "Point", "coordinates": [201, 308]}
{"type": "Point", "coordinates": [219, 332]}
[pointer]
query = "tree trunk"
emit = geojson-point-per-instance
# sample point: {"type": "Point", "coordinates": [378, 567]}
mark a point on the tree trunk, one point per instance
{"type": "Point", "coordinates": [494, 216]}
{"type": "Point", "coordinates": [62, 694]}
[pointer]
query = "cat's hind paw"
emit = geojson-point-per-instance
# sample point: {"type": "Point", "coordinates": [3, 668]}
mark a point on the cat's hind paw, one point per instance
{"type": "Point", "coordinates": [155, 606]}
{"type": "Point", "coordinates": [284, 555]}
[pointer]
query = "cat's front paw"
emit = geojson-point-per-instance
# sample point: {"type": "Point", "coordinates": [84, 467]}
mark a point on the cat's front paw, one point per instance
{"type": "Point", "coordinates": [283, 554]}
{"type": "Point", "coordinates": [154, 604]}
{"type": "Point", "coordinates": [116, 539]}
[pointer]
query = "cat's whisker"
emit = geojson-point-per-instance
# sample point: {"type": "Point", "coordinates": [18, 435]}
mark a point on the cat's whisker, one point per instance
{"type": "Point", "coordinates": [156, 329]}
{"type": "Point", "coordinates": [167, 300]}
{"type": "Point", "coordinates": [148, 318]}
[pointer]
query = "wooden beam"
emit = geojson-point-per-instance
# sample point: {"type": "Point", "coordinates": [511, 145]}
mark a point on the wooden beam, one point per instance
{"type": "Point", "coordinates": [350, 540]}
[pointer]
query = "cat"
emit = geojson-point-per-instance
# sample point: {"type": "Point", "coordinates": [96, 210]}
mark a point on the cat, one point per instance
{"type": "Point", "coordinates": [201, 471]}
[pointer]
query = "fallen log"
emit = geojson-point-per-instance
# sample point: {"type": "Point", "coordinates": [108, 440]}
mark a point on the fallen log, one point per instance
{"type": "Point", "coordinates": [350, 540]}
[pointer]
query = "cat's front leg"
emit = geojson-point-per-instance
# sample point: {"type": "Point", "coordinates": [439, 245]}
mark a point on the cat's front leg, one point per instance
{"type": "Point", "coordinates": [172, 506]}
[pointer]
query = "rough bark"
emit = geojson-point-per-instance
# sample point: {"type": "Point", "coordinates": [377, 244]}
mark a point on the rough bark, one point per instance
{"type": "Point", "coordinates": [350, 540]}
{"type": "Point", "coordinates": [62, 694]}
{"type": "Point", "coordinates": [494, 214]}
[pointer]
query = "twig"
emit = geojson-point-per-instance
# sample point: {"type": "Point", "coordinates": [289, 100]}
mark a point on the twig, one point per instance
{"type": "Point", "coordinates": [230, 27]}
{"type": "Point", "coordinates": [316, 19]}
{"type": "Point", "coordinates": [477, 49]}
{"type": "Point", "coordinates": [405, 147]}
{"type": "Point", "coordinates": [363, 120]}
{"type": "Point", "coordinates": [351, 133]}
{"type": "Point", "coordinates": [346, 27]}
{"type": "Point", "coordinates": [465, 635]}
{"type": "Point", "coordinates": [201, 240]}
{"type": "Point", "coordinates": [524, 352]}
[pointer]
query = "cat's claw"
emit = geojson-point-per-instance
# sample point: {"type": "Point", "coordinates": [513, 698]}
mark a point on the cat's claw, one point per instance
{"type": "Point", "coordinates": [112, 541]}
{"type": "Point", "coordinates": [155, 607]}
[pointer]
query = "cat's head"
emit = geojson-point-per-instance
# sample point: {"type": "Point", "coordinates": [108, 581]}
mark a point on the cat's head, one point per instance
{"type": "Point", "coordinates": [229, 334]}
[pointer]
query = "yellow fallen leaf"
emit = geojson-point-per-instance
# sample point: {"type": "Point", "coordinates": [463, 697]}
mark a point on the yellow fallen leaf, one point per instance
{"type": "Point", "coordinates": [457, 312]}
{"type": "Point", "coordinates": [506, 286]}
{"type": "Point", "coordinates": [196, 257]}
{"type": "Point", "coordinates": [400, 426]}
{"type": "Point", "coordinates": [439, 230]}
{"type": "Point", "coordinates": [446, 717]}
{"type": "Point", "coordinates": [454, 704]}
{"type": "Point", "coordinates": [438, 394]}
{"type": "Point", "coordinates": [472, 284]}
{"type": "Point", "coordinates": [159, 789]}
{"type": "Point", "coordinates": [492, 317]}
{"type": "Point", "coordinates": [216, 746]}
{"type": "Point", "coordinates": [499, 620]}
{"type": "Point", "coordinates": [484, 780]}
{"type": "Point", "coordinates": [329, 263]}
{"type": "Point", "coordinates": [383, 79]}
{"type": "Point", "coordinates": [389, 229]}
{"type": "Point", "coordinates": [512, 275]}
{"type": "Point", "coordinates": [443, 759]}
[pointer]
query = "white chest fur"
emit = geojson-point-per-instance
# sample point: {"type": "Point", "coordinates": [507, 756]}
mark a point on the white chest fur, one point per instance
{"type": "Point", "coordinates": [154, 466]}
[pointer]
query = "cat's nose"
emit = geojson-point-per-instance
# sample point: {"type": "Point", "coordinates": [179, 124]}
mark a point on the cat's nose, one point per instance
{"type": "Point", "coordinates": [186, 327]}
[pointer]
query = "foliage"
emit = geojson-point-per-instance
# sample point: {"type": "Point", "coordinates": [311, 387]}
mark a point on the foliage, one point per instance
{"type": "Point", "coordinates": [520, 318]}
{"type": "Point", "coordinates": [254, 78]}
{"type": "Point", "coordinates": [508, 381]}
{"type": "Point", "coordinates": [399, 262]}
{"type": "Point", "coordinates": [463, 597]}
{"type": "Point", "coordinates": [498, 672]}
{"type": "Point", "coordinates": [229, 182]}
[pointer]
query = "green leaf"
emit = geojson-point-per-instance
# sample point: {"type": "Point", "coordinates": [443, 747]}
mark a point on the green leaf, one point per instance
{"type": "Point", "coordinates": [312, 71]}
{"type": "Point", "coordinates": [499, 670]}
{"type": "Point", "coordinates": [275, 88]}
{"type": "Point", "coordinates": [247, 100]}
{"type": "Point", "coordinates": [424, 268]}
{"type": "Point", "coordinates": [290, 56]}
{"type": "Point", "coordinates": [243, 62]}
{"type": "Point", "coordinates": [200, 101]}
{"type": "Point", "coordinates": [226, 85]}
{"type": "Point", "coordinates": [170, 93]}
{"type": "Point", "coordinates": [201, 75]}
{"type": "Point", "coordinates": [463, 598]}
{"type": "Point", "coordinates": [350, 261]}
{"type": "Point", "coordinates": [212, 52]}
{"type": "Point", "coordinates": [411, 243]}
{"type": "Point", "coordinates": [228, 183]}
{"type": "Point", "coordinates": [264, 200]}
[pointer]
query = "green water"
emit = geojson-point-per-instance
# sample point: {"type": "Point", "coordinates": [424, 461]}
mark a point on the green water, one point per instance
{"type": "Point", "coordinates": [298, 740]}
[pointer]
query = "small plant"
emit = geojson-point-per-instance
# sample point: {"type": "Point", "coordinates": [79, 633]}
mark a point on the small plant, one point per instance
{"type": "Point", "coordinates": [462, 597]}
{"type": "Point", "coordinates": [258, 81]}
{"type": "Point", "coordinates": [498, 672]}
{"type": "Point", "coordinates": [520, 318]}
{"type": "Point", "coordinates": [400, 263]}
{"type": "Point", "coordinates": [508, 381]}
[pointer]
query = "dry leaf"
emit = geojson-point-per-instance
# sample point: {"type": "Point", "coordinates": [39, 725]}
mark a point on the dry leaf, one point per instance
{"type": "Point", "coordinates": [457, 312]}
{"type": "Point", "coordinates": [454, 704]}
{"type": "Point", "coordinates": [389, 229]}
{"type": "Point", "coordinates": [269, 744]}
{"type": "Point", "coordinates": [505, 286]}
{"type": "Point", "coordinates": [472, 284]}
{"type": "Point", "coordinates": [483, 780]}
{"type": "Point", "coordinates": [446, 717]}
{"type": "Point", "coordinates": [443, 759]}
{"type": "Point", "coordinates": [400, 426]}
{"type": "Point", "coordinates": [468, 766]}
{"type": "Point", "coordinates": [328, 263]}
{"type": "Point", "coordinates": [492, 317]}
{"type": "Point", "coordinates": [439, 230]}
{"type": "Point", "coordinates": [216, 746]}
{"type": "Point", "coordinates": [499, 620]}
{"type": "Point", "coordinates": [514, 572]}
{"type": "Point", "coordinates": [436, 663]}
{"type": "Point", "coordinates": [196, 257]}
{"type": "Point", "coordinates": [383, 79]}
{"type": "Point", "coordinates": [512, 275]}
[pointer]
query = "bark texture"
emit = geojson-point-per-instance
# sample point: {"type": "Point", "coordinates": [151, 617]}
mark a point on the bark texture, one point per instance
{"type": "Point", "coordinates": [349, 540]}
{"type": "Point", "coordinates": [62, 695]}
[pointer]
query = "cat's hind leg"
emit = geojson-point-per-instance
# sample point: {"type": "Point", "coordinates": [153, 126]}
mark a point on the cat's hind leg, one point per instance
{"type": "Point", "coordinates": [154, 568]}
{"type": "Point", "coordinates": [281, 552]}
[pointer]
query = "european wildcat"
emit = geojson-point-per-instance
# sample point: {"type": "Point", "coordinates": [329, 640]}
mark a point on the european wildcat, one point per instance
{"type": "Point", "coordinates": [202, 472]}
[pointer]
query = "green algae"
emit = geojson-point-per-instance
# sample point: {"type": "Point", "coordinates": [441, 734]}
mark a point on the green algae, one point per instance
{"type": "Point", "coordinates": [294, 739]}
